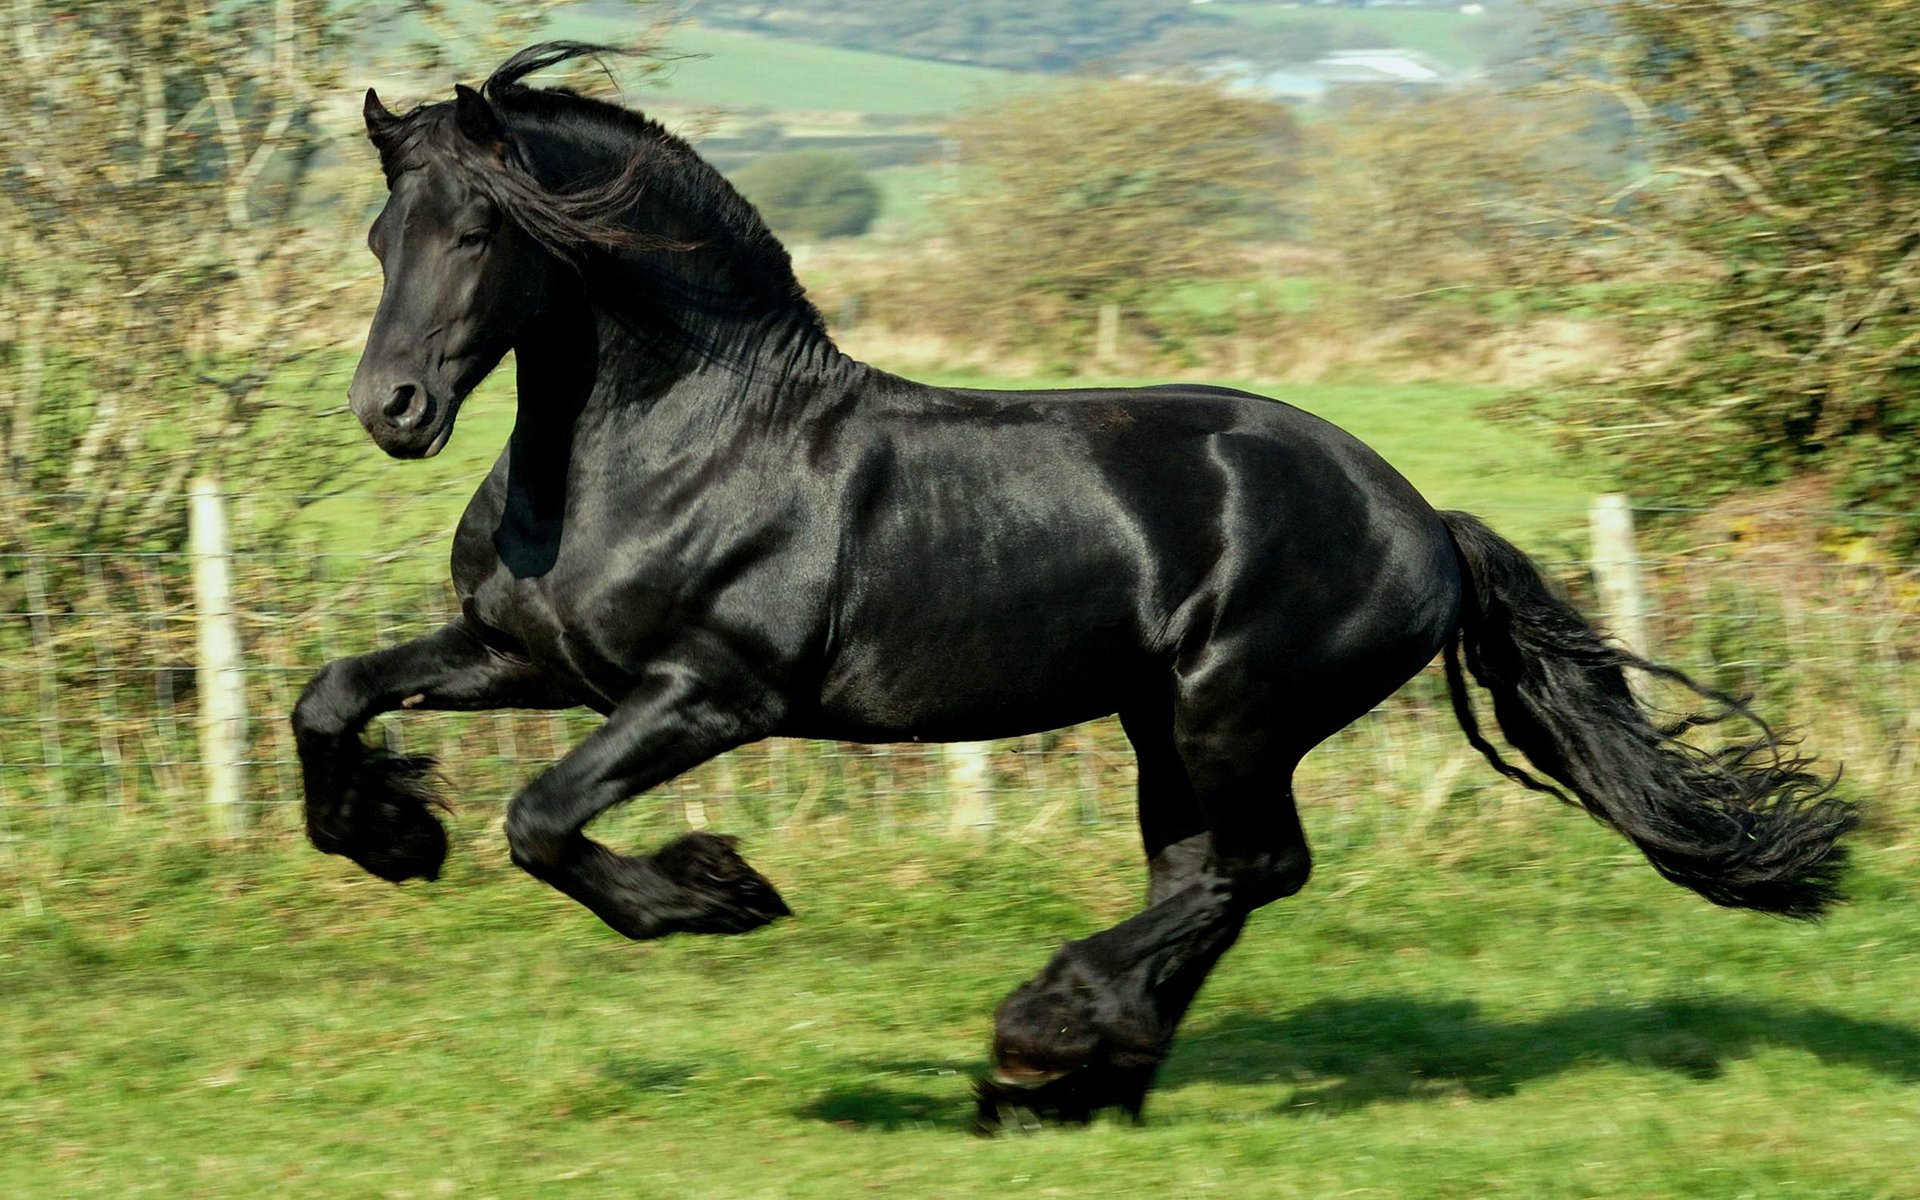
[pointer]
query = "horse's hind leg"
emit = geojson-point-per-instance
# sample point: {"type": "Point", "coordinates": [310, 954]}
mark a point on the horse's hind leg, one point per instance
{"type": "Point", "coordinates": [1223, 838]}
{"type": "Point", "coordinates": [1173, 825]}
{"type": "Point", "coordinates": [372, 806]}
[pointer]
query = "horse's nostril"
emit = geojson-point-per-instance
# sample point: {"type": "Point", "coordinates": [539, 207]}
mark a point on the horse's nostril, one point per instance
{"type": "Point", "coordinates": [405, 407]}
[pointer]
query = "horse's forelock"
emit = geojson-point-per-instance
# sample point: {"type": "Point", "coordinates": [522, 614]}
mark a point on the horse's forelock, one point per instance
{"type": "Point", "coordinates": [571, 223]}
{"type": "Point", "coordinates": [539, 57]}
{"type": "Point", "coordinates": [404, 141]}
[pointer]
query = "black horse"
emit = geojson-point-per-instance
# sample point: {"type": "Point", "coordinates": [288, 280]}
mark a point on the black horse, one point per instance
{"type": "Point", "coordinates": [713, 527]}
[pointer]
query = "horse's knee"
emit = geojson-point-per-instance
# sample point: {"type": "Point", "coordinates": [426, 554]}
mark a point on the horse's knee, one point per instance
{"type": "Point", "coordinates": [331, 757]}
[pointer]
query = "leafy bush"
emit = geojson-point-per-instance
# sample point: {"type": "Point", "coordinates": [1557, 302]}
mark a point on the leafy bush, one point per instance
{"type": "Point", "coordinates": [1779, 180]}
{"type": "Point", "coordinates": [811, 193]}
{"type": "Point", "coordinates": [1102, 191]}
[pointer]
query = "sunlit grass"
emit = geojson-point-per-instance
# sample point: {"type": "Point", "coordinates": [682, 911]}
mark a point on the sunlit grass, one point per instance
{"type": "Point", "coordinates": [1517, 1008]}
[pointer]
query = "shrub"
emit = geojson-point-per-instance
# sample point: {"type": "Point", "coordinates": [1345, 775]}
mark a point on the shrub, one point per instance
{"type": "Point", "coordinates": [811, 193]}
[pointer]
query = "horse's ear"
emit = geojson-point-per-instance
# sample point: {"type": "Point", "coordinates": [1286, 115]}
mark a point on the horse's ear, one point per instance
{"type": "Point", "coordinates": [382, 127]}
{"type": "Point", "coordinates": [376, 115]}
{"type": "Point", "coordinates": [476, 117]}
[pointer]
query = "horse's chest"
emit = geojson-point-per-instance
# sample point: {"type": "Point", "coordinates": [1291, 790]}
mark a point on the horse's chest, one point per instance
{"type": "Point", "coordinates": [516, 587]}
{"type": "Point", "coordinates": [617, 592]}
{"type": "Point", "coordinates": [590, 621]}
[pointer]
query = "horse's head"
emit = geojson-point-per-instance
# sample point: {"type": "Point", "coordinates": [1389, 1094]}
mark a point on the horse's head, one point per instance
{"type": "Point", "coordinates": [462, 279]}
{"type": "Point", "coordinates": [514, 211]}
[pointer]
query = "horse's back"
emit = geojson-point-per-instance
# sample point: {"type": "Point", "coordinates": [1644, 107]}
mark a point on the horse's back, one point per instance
{"type": "Point", "coordinates": [1037, 557]}
{"type": "Point", "coordinates": [1329, 556]}
{"type": "Point", "coordinates": [1211, 470]}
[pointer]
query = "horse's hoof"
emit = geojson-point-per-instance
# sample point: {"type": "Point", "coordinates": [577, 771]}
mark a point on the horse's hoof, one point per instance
{"type": "Point", "coordinates": [998, 1109]}
{"type": "Point", "coordinates": [412, 845]}
{"type": "Point", "coordinates": [382, 821]}
{"type": "Point", "coordinates": [1024, 1104]}
{"type": "Point", "coordinates": [728, 895]}
{"type": "Point", "coordinates": [1003, 1107]}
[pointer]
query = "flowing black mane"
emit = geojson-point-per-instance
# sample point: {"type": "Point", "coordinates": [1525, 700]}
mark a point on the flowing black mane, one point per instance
{"type": "Point", "coordinates": [613, 193]}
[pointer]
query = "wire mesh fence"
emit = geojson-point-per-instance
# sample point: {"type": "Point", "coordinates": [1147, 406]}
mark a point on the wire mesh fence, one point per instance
{"type": "Point", "coordinates": [99, 696]}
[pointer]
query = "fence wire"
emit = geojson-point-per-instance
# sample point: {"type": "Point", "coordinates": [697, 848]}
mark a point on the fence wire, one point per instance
{"type": "Point", "coordinates": [98, 703]}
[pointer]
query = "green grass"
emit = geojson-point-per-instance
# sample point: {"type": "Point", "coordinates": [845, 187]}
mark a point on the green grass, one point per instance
{"type": "Point", "coordinates": [746, 70]}
{"type": "Point", "coordinates": [907, 196]}
{"type": "Point", "coordinates": [1515, 1009]}
{"type": "Point", "coordinates": [1264, 293]}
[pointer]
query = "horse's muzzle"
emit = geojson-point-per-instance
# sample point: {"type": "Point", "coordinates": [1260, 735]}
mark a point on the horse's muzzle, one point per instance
{"type": "Point", "coordinates": [408, 422]}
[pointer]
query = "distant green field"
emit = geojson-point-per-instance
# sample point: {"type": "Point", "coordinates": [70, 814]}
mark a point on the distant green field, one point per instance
{"type": "Point", "coordinates": [1448, 35]}
{"type": "Point", "coordinates": [745, 70]}
{"type": "Point", "coordinates": [1264, 293]}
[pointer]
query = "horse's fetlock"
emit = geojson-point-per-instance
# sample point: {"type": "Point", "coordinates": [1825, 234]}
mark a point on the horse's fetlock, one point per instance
{"type": "Point", "coordinates": [1290, 871]}
{"type": "Point", "coordinates": [325, 710]}
{"type": "Point", "coordinates": [533, 847]}
{"type": "Point", "coordinates": [1045, 1029]}
{"type": "Point", "coordinates": [1261, 879]}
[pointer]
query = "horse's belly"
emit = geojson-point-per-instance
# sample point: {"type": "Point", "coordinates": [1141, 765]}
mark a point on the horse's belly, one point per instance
{"type": "Point", "coordinates": [970, 688]}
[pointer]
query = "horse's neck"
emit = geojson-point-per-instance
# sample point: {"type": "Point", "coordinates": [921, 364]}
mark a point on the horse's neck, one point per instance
{"type": "Point", "coordinates": [556, 363]}
{"type": "Point", "coordinates": [581, 365]}
{"type": "Point", "coordinates": [731, 370]}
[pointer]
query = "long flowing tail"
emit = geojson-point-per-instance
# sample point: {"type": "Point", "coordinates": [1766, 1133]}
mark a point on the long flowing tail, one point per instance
{"type": "Point", "coordinates": [1747, 826]}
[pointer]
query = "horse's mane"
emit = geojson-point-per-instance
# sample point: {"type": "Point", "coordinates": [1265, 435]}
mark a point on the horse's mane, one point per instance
{"type": "Point", "coordinates": [596, 222]}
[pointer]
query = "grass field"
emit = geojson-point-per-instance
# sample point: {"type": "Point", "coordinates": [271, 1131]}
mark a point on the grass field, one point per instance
{"type": "Point", "coordinates": [907, 197]}
{"type": "Point", "coordinates": [1515, 1006]}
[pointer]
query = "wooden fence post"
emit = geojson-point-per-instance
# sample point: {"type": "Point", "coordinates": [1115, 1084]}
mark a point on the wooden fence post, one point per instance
{"type": "Point", "coordinates": [223, 698]}
{"type": "Point", "coordinates": [1106, 335]}
{"type": "Point", "coordinates": [969, 778]}
{"type": "Point", "coordinates": [1616, 572]}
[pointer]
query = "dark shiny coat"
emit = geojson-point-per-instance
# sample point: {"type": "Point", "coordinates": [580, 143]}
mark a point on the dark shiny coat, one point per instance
{"type": "Point", "coordinates": [880, 560]}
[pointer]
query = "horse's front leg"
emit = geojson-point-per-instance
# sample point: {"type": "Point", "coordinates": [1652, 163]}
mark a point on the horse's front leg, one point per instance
{"type": "Point", "coordinates": [677, 717]}
{"type": "Point", "coordinates": [372, 806]}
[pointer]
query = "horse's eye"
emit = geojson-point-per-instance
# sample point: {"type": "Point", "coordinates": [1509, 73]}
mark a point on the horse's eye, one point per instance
{"type": "Point", "coordinates": [475, 237]}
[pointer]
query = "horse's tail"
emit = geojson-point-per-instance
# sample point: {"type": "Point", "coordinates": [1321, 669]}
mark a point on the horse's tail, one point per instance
{"type": "Point", "coordinates": [1748, 826]}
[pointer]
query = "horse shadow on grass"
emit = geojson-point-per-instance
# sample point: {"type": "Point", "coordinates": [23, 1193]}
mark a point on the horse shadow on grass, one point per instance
{"type": "Point", "coordinates": [1336, 1056]}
